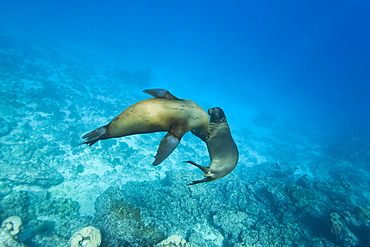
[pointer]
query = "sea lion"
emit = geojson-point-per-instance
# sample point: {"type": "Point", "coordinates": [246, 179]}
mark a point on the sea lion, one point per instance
{"type": "Point", "coordinates": [164, 112]}
{"type": "Point", "coordinates": [221, 147]}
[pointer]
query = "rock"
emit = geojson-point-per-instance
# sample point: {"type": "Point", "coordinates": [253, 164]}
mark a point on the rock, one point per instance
{"type": "Point", "coordinates": [121, 222]}
{"type": "Point", "coordinates": [17, 203]}
{"type": "Point", "coordinates": [305, 181]}
{"type": "Point", "coordinates": [232, 223]}
{"type": "Point", "coordinates": [322, 242]}
{"type": "Point", "coordinates": [31, 173]}
{"type": "Point", "coordinates": [5, 127]}
{"type": "Point", "coordinates": [5, 189]}
{"type": "Point", "coordinates": [38, 228]}
{"type": "Point", "coordinates": [249, 237]}
{"type": "Point", "coordinates": [362, 214]}
{"type": "Point", "coordinates": [309, 201]}
{"type": "Point", "coordinates": [275, 192]}
{"type": "Point", "coordinates": [49, 241]}
{"type": "Point", "coordinates": [204, 235]}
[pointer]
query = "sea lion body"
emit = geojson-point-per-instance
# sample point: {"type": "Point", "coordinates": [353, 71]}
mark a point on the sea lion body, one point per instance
{"type": "Point", "coordinates": [223, 151]}
{"type": "Point", "coordinates": [221, 147]}
{"type": "Point", "coordinates": [165, 112]}
{"type": "Point", "coordinates": [156, 115]}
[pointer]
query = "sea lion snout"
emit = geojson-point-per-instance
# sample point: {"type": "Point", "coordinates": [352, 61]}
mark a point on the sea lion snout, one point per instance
{"type": "Point", "coordinates": [216, 115]}
{"type": "Point", "coordinates": [212, 110]}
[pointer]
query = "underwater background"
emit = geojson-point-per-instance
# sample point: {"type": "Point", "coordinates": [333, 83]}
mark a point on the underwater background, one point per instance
{"type": "Point", "coordinates": [293, 78]}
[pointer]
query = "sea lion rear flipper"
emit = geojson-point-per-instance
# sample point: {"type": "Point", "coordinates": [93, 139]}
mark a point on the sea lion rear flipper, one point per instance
{"type": "Point", "coordinates": [207, 179]}
{"type": "Point", "coordinates": [160, 93]}
{"type": "Point", "coordinates": [166, 147]}
{"type": "Point", "coordinates": [95, 135]}
{"type": "Point", "coordinates": [203, 168]}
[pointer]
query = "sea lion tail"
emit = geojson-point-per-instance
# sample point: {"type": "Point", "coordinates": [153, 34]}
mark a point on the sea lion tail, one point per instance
{"type": "Point", "coordinates": [95, 135]}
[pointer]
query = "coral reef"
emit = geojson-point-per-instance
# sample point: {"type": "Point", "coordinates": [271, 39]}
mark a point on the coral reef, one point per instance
{"type": "Point", "coordinates": [264, 212]}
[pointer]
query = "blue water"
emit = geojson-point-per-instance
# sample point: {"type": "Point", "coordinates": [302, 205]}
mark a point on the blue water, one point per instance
{"type": "Point", "coordinates": [292, 77]}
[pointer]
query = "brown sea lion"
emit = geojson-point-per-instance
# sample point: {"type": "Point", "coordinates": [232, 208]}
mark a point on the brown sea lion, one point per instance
{"type": "Point", "coordinates": [221, 147]}
{"type": "Point", "coordinates": [163, 113]}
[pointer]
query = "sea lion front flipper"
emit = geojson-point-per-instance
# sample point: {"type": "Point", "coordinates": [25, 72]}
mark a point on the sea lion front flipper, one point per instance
{"type": "Point", "coordinates": [160, 93]}
{"type": "Point", "coordinates": [166, 147]}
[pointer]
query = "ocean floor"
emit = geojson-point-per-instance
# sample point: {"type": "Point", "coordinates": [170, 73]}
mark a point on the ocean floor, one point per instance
{"type": "Point", "coordinates": [293, 186]}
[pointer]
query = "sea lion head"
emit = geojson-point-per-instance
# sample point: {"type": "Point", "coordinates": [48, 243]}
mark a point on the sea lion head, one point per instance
{"type": "Point", "coordinates": [217, 115]}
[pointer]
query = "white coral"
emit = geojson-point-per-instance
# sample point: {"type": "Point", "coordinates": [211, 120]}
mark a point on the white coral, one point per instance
{"type": "Point", "coordinates": [173, 240]}
{"type": "Point", "coordinates": [12, 224]}
{"type": "Point", "coordinates": [86, 237]}
{"type": "Point", "coordinates": [8, 231]}
{"type": "Point", "coordinates": [336, 224]}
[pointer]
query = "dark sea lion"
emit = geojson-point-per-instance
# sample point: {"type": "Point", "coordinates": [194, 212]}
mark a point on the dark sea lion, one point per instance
{"type": "Point", "coordinates": [221, 148]}
{"type": "Point", "coordinates": [163, 113]}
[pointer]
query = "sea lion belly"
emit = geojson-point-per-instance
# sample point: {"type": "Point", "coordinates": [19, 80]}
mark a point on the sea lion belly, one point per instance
{"type": "Point", "coordinates": [222, 150]}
